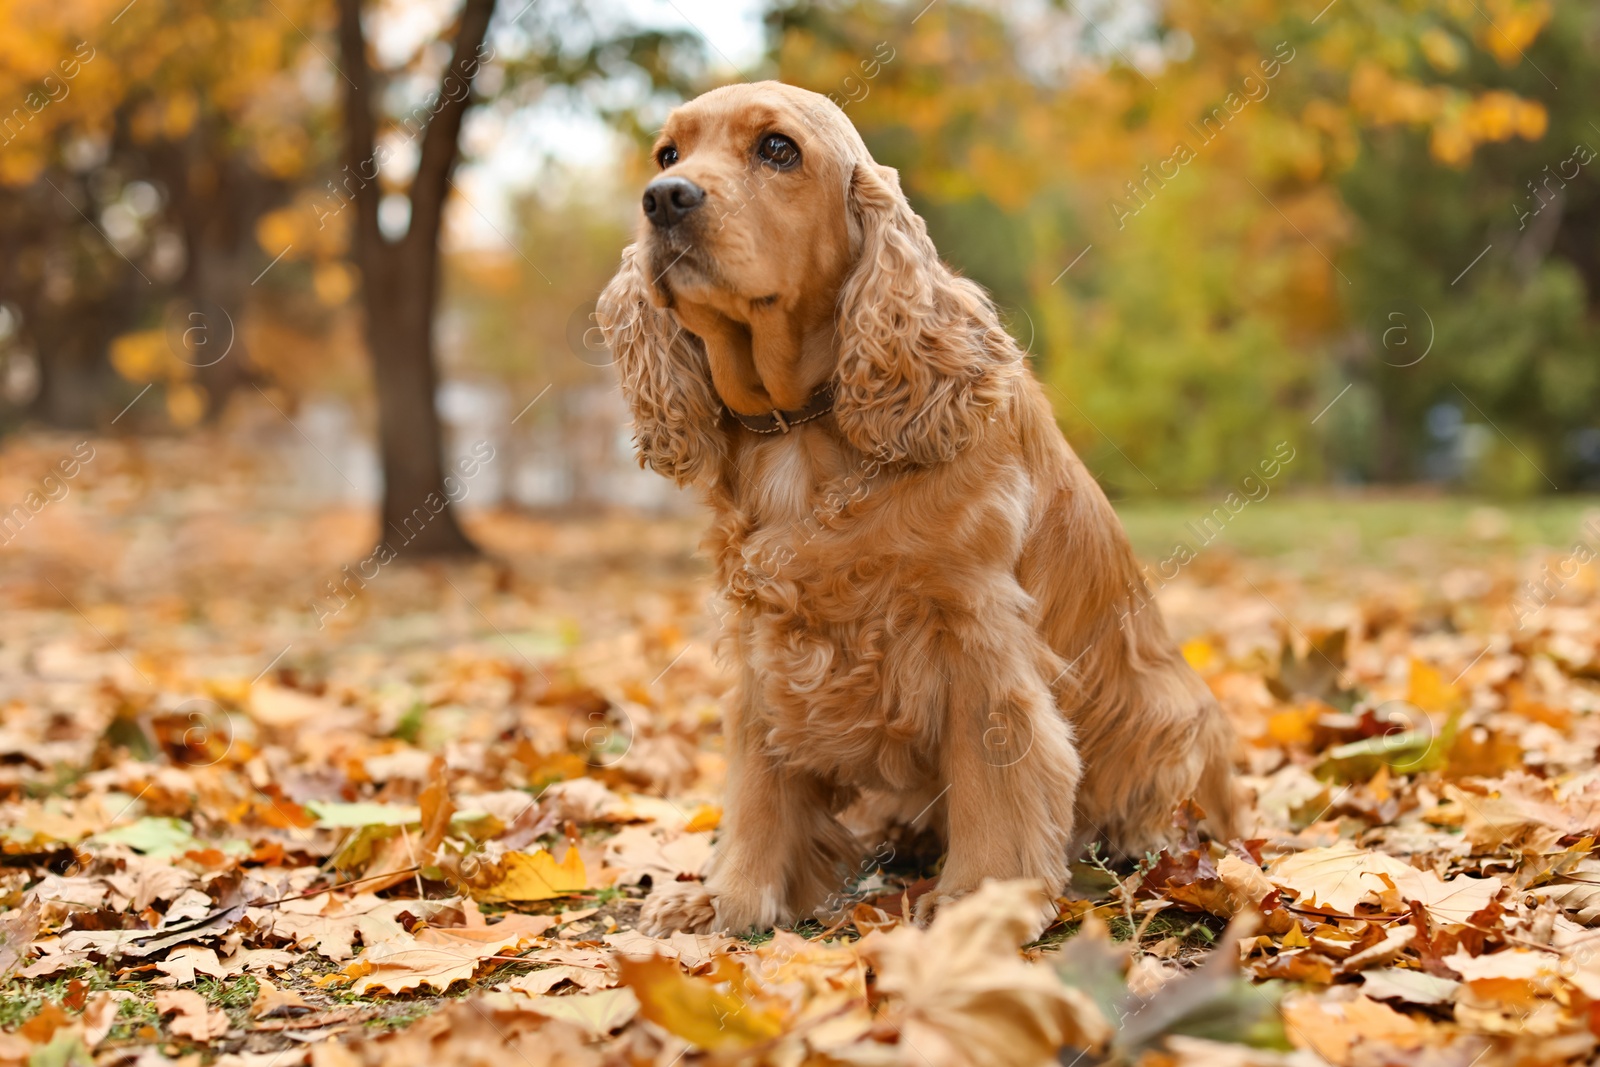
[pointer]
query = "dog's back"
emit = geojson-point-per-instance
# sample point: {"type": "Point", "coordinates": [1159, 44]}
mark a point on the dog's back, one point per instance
{"type": "Point", "coordinates": [1135, 703]}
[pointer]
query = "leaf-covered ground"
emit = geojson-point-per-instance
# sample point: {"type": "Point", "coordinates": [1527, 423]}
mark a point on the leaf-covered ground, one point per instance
{"type": "Point", "coordinates": [257, 808]}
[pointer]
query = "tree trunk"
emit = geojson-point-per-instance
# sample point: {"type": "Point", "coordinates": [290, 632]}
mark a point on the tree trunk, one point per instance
{"type": "Point", "coordinates": [400, 285]}
{"type": "Point", "coordinates": [418, 517]}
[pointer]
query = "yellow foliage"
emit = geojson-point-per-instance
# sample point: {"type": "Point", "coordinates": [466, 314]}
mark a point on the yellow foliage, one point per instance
{"type": "Point", "coordinates": [283, 150]}
{"type": "Point", "coordinates": [333, 281]}
{"type": "Point", "coordinates": [1511, 27]}
{"type": "Point", "coordinates": [186, 404]}
{"type": "Point", "coordinates": [142, 356]}
{"type": "Point", "coordinates": [1389, 100]}
{"type": "Point", "coordinates": [1451, 144]}
{"type": "Point", "coordinates": [490, 272]}
{"type": "Point", "coordinates": [697, 1009]}
{"type": "Point", "coordinates": [536, 876]}
{"type": "Point", "coordinates": [306, 228]}
{"type": "Point", "coordinates": [1441, 50]}
{"type": "Point", "coordinates": [168, 65]}
{"type": "Point", "coordinates": [179, 114]}
{"type": "Point", "coordinates": [1497, 116]}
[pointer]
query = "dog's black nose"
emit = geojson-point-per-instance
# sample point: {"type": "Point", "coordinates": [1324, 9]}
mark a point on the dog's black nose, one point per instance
{"type": "Point", "coordinates": [667, 200]}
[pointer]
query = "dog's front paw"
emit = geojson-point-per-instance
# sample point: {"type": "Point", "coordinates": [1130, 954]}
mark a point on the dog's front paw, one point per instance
{"type": "Point", "coordinates": [931, 903]}
{"type": "Point", "coordinates": [743, 906]}
{"type": "Point", "coordinates": [675, 906]}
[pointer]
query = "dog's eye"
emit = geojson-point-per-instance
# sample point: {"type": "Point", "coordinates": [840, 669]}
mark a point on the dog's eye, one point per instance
{"type": "Point", "coordinates": [667, 157]}
{"type": "Point", "coordinates": [778, 150]}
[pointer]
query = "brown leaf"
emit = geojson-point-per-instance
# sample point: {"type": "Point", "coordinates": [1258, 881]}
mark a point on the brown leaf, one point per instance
{"type": "Point", "coordinates": [17, 930]}
{"type": "Point", "coordinates": [192, 1017]}
{"type": "Point", "coordinates": [271, 1001]}
{"type": "Point", "coordinates": [493, 1031]}
{"type": "Point", "coordinates": [438, 958]}
{"type": "Point", "coordinates": [962, 994]}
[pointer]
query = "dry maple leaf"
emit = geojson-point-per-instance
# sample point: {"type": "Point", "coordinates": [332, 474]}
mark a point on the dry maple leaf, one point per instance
{"type": "Point", "coordinates": [100, 1014]}
{"type": "Point", "coordinates": [183, 964]}
{"type": "Point", "coordinates": [660, 853]}
{"type": "Point", "coordinates": [963, 995]}
{"type": "Point", "coordinates": [694, 951]}
{"type": "Point", "coordinates": [699, 1010]}
{"type": "Point", "coordinates": [282, 708]}
{"type": "Point", "coordinates": [1339, 878]}
{"type": "Point", "coordinates": [476, 1032]}
{"type": "Point", "coordinates": [17, 930]}
{"type": "Point", "coordinates": [529, 876]}
{"type": "Point", "coordinates": [596, 1013]}
{"type": "Point", "coordinates": [1520, 810]}
{"type": "Point", "coordinates": [437, 958]}
{"type": "Point", "coordinates": [331, 925]}
{"type": "Point", "coordinates": [271, 1001]}
{"type": "Point", "coordinates": [1357, 1030]}
{"type": "Point", "coordinates": [540, 982]}
{"type": "Point", "coordinates": [192, 1017]}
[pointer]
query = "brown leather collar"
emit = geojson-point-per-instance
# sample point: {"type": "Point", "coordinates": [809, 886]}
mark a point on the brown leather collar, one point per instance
{"type": "Point", "coordinates": [776, 421]}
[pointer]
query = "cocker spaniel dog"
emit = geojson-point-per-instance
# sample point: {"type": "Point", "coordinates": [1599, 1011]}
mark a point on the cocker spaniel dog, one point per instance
{"type": "Point", "coordinates": [932, 608]}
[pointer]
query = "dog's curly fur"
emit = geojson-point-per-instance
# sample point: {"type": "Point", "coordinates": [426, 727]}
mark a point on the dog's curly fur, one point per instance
{"type": "Point", "coordinates": [933, 610]}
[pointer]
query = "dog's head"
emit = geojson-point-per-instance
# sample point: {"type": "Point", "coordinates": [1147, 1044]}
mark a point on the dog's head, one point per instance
{"type": "Point", "coordinates": [774, 256]}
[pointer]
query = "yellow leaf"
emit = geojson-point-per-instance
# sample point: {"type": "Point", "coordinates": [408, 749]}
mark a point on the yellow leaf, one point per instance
{"type": "Point", "coordinates": [537, 876]}
{"type": "Point", "coordinates": [1292, 726]}
{"type": "Point", "coordinates": [1200, 653]}
{"type": "Point", "coordinates": [1335, 1031]}
{"type": "Point", "coordinates": [706, 817]}
{"type": "Point", "coordinates": [694, 1008]}
{"type": "Point", "coordinates": [597, 1013]}
{"type": "Point", "coordinates": [1429, 691]}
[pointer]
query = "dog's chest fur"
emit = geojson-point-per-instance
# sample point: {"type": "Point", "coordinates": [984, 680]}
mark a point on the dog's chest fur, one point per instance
{"type": "Point", "coordinates": [841, 576]}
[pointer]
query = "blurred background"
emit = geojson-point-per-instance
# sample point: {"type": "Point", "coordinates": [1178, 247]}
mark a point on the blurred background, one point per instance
{"type": "Point", "coordinates": [335, 251]}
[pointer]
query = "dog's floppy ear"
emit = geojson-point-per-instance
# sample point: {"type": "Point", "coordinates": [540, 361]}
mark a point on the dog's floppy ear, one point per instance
{"type": "Point", "coordinates": [923, 361]}
{"type": "Point", "coordinates": [665, 377]}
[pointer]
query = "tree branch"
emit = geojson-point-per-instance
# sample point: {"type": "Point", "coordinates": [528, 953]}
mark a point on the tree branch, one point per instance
{"type": "Point", "coordinates": [441, 140]}
{"type": "Point", "coordinates": [360, 177]}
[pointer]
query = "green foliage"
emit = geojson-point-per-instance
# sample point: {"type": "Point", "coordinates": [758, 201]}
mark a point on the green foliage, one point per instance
{"type": "Point", "coordinates": [1196, 285]}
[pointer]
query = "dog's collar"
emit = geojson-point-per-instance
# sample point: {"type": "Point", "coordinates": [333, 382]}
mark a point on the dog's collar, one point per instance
{"type": "Point", "coordinates": [778, 421]}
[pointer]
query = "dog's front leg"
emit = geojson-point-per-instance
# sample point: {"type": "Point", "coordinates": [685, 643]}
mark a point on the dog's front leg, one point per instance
{"type": "Point", "coordinates": [780, 849]}
{"type": "Point", "coordinates": [1009, 763]}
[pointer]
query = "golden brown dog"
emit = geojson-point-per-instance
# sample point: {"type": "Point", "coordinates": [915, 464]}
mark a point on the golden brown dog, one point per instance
{"type": "Point", "coordinates": [931, 605]}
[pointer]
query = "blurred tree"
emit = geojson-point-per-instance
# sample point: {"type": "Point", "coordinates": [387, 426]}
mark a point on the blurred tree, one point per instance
{"type": "Point", "coordinates": [400, 273]}
{"type": "Point", "coordinates": [147, 140]}
{"type": "Point", "coordinates": [1209, 214]}
{"type": "Point", "coordinates": [400, 276]}
{"type": "Point", "coordinates": [1478, 224]}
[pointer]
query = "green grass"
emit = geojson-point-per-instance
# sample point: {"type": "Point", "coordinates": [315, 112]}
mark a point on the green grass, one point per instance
{"type": "Point", "coordinates": [133, 1016]}
{"type": "Point", "coordinates": [1366, 527]}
